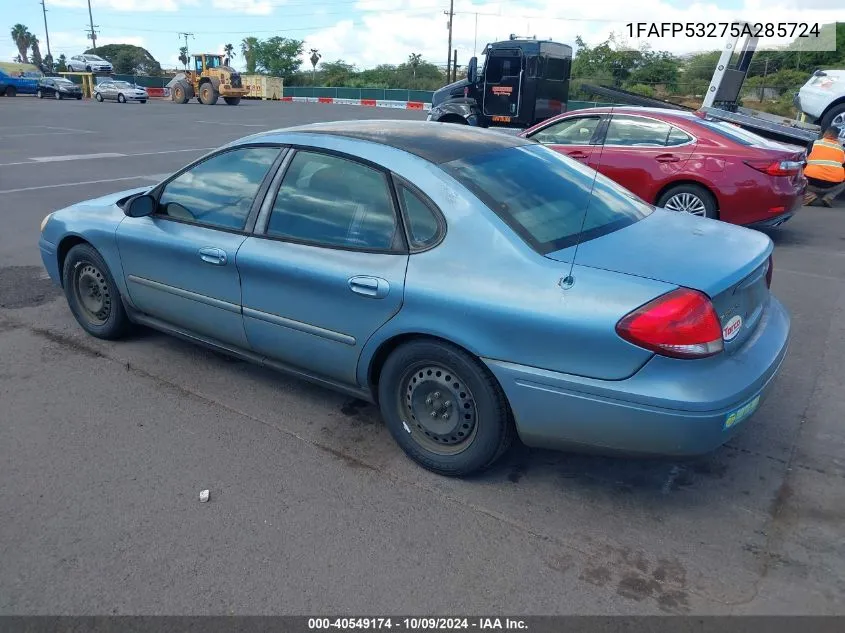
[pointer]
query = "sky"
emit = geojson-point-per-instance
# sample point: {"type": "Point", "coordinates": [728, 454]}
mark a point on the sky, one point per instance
{"type": "Point", "coordinates": [371, 32]}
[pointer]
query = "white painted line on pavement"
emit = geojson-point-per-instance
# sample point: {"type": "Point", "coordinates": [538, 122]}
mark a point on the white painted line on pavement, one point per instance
{"type": "Point", "coordinates": [34, 161]}
{"type": "Point", "coordinates": [73, 184]}
{"type": "Point", "coordinates": [238, 124]}
{"type": "Point", "coordinates": [56, 159]}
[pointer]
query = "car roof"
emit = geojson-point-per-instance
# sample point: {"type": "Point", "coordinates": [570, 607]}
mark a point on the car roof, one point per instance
{"type": "Point", "coordinates": [660, 112]}
{"type": "Point", "coordinates": [435, 142]}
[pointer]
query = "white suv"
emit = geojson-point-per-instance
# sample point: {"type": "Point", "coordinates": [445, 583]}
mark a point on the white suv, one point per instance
{"type": "Point", "coordinates": [88, 63]}
{"type": "Point", "coordinates": [823, 98]}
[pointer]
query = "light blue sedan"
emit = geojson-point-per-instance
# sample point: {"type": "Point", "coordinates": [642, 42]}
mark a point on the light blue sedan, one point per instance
{"type": "Point", "coordinates": [475, 285]}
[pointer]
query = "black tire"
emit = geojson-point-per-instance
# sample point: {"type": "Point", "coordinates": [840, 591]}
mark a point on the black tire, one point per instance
{"type": "Point", "coordinates": [143, 101]}
{"type": "Point", "coordinates": [121, 98]}
{"type": "Point", "coordinates": [232, 100]}
{"type": "Point", "coordinates": [98, 97]}
{"type": "Point", "coordinates": [87, 69]}
{"type": "Point", "coordinates": [208, 95]}
{"type": "Point", "coordinates": [454, 118]}
{"type": "Point", "coordinates": [79, 98]}
{"type": "Point", "coordinates": [478, 429]}
{"type": "Point", "coordinates": [11, 91]}
{"type": "Point", "coordinates": [836, 112]}
{"type": "Point", "coordinates": [84, 268]}
{"type": "Point", "coordinates": [689, 192]}
{"type": "Point", "coordinates": [39, 94]}
{"type": "Point", "coordinates": [179, 94]}
{"type": "Point", "coordinates": [58, 95]}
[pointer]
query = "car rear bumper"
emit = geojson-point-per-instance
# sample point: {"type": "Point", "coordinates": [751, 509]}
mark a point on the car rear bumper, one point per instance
{"type": "Point", "coordinates": [771, 223]}
{"type": "Point", "coordinates": [669, 407]}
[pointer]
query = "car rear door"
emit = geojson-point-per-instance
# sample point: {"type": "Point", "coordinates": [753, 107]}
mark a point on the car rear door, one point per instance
{"type": "Point", "coordinates": [575, 136]}
{"type": "Point", "coordinates": [642, 153]}
{"type": "Point", "coordinates": [179, 263]}
{"type": "Point", "coordinates": [326, 267]}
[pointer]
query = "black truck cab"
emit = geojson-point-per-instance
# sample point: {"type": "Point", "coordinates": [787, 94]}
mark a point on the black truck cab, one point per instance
{"type": "Point", "coordinates": [522, 82]}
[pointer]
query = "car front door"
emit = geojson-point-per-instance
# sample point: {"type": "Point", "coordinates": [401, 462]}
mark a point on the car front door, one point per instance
{"type": "Point", "coordinates": [574, 136]}
{"type": "Point", "coordinates": [642, 154]}
{"type": "Point", "coordinates": [326, 267]}
{"type": "Point", "coordinates": [179, 263]}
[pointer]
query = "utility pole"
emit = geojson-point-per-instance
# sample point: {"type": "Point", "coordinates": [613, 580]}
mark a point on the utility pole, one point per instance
{"type": "Point", "coordinates": [475, 39]}
{"type": "Point", "coordinates": [46, 32]}
{"type": "Point", "coordinates": [93, 34]}
{"type": "Point", "coordinates": [451, 14]}
{"type": "Point", "coordinates": [186, 36]}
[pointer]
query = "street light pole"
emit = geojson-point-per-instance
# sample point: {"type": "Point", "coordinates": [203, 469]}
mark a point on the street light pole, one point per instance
{"type": "Point", "coordinates": [451, 14]}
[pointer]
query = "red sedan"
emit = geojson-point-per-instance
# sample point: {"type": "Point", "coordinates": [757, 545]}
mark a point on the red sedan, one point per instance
{"type": "Point", "coordinates": [683, 161]}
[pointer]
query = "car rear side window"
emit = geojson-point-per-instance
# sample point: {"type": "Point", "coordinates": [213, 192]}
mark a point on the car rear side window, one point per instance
{"type": "Point", "coordinates": [331, 201]}
{"type": "Point", "coordinates": [635, 131]}
{"type": "Point", "coordinates": [424, 228]}
{"type": "Point", "coordinates": [547, 199]}
{"type": "Point", "coordinates": [220, 190]}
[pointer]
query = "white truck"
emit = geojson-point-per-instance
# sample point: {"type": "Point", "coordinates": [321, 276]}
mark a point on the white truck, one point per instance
{"type": "Point", "coordinates": [823, 99]}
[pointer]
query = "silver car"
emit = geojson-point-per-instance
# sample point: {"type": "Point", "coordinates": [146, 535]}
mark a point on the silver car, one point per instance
{"type": "Point", "coordinates": [89, 64]}
{"type": "Point", "coordinates": [120, 91]}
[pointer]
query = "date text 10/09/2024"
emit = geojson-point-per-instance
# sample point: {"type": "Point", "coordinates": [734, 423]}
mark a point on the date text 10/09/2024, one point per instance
{"type": "Point", "coordinates": [723, 29]}
{"type": "Point", "coordinates": [417, 624]}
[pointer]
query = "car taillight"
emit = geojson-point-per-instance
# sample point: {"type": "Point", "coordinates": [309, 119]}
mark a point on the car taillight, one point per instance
{"type": "Point", "coordinates": [770, 271]}
{"type": "Point", "coordinates": [776, 168]}
{"type": "Point", "coordinates": [680, 324]}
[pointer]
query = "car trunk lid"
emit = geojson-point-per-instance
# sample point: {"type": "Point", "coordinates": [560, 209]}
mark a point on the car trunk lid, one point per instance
{"type": "Point", "coordinates": [726, 262]}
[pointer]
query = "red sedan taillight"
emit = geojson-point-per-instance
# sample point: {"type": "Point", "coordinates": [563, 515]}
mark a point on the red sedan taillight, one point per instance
{"type": "Point", "coordinates": [680, 324]}
{"type": "Point", "coordinates": [776, 168]}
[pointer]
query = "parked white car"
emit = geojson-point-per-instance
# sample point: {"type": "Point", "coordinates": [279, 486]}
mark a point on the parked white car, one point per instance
{"type": "Point", "coordinates": [823, 98]}
{"type": "Point", "coordinates": [88, 63]}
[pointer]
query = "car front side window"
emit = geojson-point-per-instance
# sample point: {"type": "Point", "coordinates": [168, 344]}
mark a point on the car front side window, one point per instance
{"type": "Point", "coordinates": [574, 131]}
{"type": "Point", "coordinates": [335, 202]}
{"type": "Point", "coordinates": [219, 191]}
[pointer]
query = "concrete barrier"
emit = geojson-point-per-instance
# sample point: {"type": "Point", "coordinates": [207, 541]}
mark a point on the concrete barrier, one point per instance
{"type": "Point", "coordinates": [372, 103]}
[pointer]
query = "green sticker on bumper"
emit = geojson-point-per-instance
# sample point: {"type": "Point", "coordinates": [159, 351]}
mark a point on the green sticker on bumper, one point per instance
{"type": "Point", "coordinates": [735, 417]}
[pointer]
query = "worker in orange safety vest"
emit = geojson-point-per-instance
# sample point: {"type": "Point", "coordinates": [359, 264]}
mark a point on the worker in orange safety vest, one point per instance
{"type": "Point", "coordinates": [825, 170]}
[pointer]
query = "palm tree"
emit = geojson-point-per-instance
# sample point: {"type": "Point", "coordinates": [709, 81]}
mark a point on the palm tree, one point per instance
{"type": "Point", "coordinates": [183, 55]}
{"type": "Point", "coordinates": [414, 60]}
{"type": "Point", "coordinates": [36, 52]}
{"type": "Point", "coordinates": [22, 38]}
{"type": "Point", "coordinates": [249, 46]}
{"type": "Point", "coordinates": [229, 50]}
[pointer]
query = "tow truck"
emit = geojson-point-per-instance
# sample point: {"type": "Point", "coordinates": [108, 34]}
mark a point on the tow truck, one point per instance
{"type": "Point", "coordinates": [721, 101]}
{"type": "Point", "coordinates": [523, 81]}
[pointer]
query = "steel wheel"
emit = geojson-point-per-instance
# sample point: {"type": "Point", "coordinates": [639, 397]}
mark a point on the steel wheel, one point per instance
{"type": "Point", "coordinates": [121, 98]}
{"type": "Point", "coordinates": [439, 409]}
{"type": "Point", "coordinates": [40, 94]}
{"type": "Point", "coordinates": [687, 203]}
{"type": "Point", "coordinates": [92, 293]}
{"type": "Point", "coordinates": [57, 95]}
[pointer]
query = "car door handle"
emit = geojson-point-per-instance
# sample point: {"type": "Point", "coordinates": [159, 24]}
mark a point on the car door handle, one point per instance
{"type": "Point", "coordinates": [667, 158]}
{"type": "Point", "coordinates": [577, 154]}
{"type": "Point", "coordinates": [212, 255]}
{"type": "Point", "coordinates": [373, 287]}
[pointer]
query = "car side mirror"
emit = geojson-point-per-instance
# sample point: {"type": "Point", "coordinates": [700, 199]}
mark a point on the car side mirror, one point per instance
{"type": "Point", "coordinates": [140, 206]}
{"type": "Point", "coordinates": [472, 70]}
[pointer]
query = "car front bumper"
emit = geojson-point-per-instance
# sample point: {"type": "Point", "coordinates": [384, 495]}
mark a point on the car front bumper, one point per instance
{"type": "Point", "coordinates": [50, 260]}
{"type": "Point", "coordinates": [669, 407]}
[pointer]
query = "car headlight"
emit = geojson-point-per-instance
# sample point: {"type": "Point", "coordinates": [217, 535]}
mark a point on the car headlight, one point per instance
{"type": "Point", "coordinates": [45, 220]}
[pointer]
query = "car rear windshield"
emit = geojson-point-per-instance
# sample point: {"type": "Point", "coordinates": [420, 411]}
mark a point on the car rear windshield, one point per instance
{"type": "Point", "coordinates": [738, 134]}
{"type": "Point", "coordinates": [544, 196]}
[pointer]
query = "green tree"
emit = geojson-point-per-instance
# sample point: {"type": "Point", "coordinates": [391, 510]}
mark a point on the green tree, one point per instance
{"type": "Point", "coordinates": [414, 60]}
{"type": "Point", "coordinates": [61, 64]}
{"type": "Point", "coordinates": [36, 52]}
{"type": "Point", "coordinates": [22, 37]}
{"type": "Point", "coordinates": [337, 73]}
{"type": "Point", "coordinates": [604, 63]}
{"type": "Point", "coordinates": [279, 56]}
{"type": "Point", "coordinates": [128, 59]}
{"type": "Point", "coordinates": [656, 68]}
{"type": "Point", "coordinates": [49, 64]}
{"type": "Point", "coordinates": [249, 49]}
{"type": "Point", "coordinates": [183, 55]}
{"type": "Point", "coordinates": [229, 49]}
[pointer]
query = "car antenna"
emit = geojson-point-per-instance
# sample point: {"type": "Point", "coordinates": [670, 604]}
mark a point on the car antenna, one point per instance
{"type": "Point", "coordinates": [568, 281]}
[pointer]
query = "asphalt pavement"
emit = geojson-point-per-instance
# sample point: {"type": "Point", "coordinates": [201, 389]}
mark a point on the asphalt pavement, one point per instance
{"type": "Point", "coordinates": [105, 447]}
